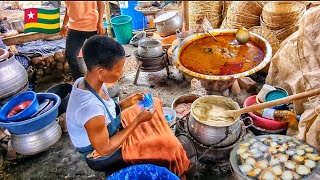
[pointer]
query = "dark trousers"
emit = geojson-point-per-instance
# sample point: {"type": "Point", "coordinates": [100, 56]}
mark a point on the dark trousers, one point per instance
{"type": "Point", "coordinates": [74, 43]}
{"type": "Point", "coordinates": [108, 164]}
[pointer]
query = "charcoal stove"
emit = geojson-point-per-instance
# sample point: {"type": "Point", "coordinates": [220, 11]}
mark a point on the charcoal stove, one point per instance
{"type": "Point", "coordinates": [151, 64]}
{"type": "Point", "coordinates": [210, 161]}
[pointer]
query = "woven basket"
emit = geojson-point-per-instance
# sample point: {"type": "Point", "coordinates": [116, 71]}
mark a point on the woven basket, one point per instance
{"type": "Point", "coordinates": [268, 35]}
{"type": "Point", "coordinates": [226, 5]}
{"type": "Point", "coordinates": [283, 8]}
{"type": "Point", "coordinates": [240, 18]}
{"type": "Point", "coordinates": [250, 7]}
{"type": "Point", "coordinates": [277, 15]}
{"type": "Point", "coordinates": [212, 10]}
{"type": "Point", "coordinates": [283, 33]}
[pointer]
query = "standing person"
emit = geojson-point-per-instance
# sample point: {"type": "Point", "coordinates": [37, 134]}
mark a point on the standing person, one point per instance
{"type": "Point", "coordinates": [85, 20]}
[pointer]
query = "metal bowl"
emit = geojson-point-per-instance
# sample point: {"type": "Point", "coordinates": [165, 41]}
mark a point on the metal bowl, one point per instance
{"type": "Point", "coordinates": [260, 41]}
{"type": "Point", "coordinates": [186, 98]}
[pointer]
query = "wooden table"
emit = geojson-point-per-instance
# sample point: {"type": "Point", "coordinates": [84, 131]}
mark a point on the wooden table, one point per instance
{"type": "Point", "coordinates": [26, 37]}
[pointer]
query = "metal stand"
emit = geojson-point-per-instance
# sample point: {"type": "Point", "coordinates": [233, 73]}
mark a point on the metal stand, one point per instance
{"type": "Point", "coordinates": [152, 69]}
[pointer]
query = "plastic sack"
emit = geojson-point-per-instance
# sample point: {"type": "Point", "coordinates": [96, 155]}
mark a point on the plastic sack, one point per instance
{"type": "Point", "coordinates": [143, 171]}
{"type": "Point", "coordinates": [147, 102]}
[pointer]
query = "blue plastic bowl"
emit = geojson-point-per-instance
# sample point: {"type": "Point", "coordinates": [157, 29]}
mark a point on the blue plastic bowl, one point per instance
{"type": "Point", "coordinates": [38, 122]}
{"type": "Point", "coordinates": [24, 114]}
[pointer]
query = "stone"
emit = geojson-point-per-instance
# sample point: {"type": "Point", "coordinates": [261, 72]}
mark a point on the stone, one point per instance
{"type": "Point", "coordinates": [235, 88]}
{"type": "Point", "coordinates": [247, 83]}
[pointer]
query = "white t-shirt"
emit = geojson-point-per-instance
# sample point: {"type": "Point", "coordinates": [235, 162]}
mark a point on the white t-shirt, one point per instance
{"type": "Point", "coordinates": [82, 106]}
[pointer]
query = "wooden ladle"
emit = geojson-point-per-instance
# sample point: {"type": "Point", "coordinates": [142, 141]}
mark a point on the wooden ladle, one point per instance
{"type": "Point", "coordinates": [289, 99]}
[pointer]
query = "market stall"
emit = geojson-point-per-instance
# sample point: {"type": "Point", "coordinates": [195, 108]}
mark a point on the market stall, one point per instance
{"type": "Point", "coordinates": [240, 90]}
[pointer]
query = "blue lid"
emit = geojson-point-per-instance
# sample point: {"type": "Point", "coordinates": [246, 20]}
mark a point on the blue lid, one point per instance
{"type": "Point", "coordinates": [276, 94]}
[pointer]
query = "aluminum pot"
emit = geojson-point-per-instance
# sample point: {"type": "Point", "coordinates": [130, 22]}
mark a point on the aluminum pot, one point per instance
{"type": "Point", "coordinates": [18, 25]}
{"type": "Point", "coordinates": [168, 22]}
{"type": "Point", "coordinates": [219, 136]}
{"type": "Point", "coordinates": [13, 77]}
{"type": "Point", "coordinates": [38, 141]}
{"type": "Point", "coordinates": [150, 48]}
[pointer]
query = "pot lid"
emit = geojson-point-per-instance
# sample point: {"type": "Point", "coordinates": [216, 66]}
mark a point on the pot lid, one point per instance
{"type": "Point", "coordinates": [165, 16]}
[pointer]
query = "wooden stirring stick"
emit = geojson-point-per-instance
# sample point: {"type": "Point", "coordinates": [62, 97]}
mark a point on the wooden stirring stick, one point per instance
{"type": "Point", "coordinates": [292, 98]}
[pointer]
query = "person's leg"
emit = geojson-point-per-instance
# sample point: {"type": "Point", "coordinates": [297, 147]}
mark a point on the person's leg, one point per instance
{"type": "Point", "coordinates": [74, 43]}
{"type": "Point", "coordinates": [108, 165]}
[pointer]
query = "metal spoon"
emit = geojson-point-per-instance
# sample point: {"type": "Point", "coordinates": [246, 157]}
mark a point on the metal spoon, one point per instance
{"type": "Point", "coordinates": [211, 35]}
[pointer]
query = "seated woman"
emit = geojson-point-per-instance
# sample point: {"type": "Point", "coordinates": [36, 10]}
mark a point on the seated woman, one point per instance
{"type": "Point", "coordinates": [94, 119]}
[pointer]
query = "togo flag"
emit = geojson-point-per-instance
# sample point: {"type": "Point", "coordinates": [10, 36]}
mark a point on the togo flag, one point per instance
{"type": "Point", "coordinates": [42, 20]}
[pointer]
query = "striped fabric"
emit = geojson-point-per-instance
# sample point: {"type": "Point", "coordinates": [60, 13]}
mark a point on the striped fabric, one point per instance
{"type": "Point", "coordinates": [42, 20]}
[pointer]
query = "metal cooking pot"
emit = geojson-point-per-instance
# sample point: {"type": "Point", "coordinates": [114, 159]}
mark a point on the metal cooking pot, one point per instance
{"type": "Point", "coordinates": [38, 141]}
{"type": "Point", "coordinates": [168, 22]}
{"type": "Point", "coordinates": [13, 77]}
{"type": "Point", "coordinates": [214, 135]}
{"type": "Point", "coordinates": [4, 54]}
{"type": "Point", "coordinates": [18, 25]}
{"type": "Point", "coordinates": [150, 48]}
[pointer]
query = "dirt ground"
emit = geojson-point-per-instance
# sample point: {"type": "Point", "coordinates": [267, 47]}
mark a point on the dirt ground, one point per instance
{"type": "Point", "coordinates": [62, 161]}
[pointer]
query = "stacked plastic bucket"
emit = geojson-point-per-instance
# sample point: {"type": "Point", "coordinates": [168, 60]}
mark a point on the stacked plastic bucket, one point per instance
{"type": "Point", "coordinates": [129, 20]}
{"type": "Point", "coordinates": [31, 120]}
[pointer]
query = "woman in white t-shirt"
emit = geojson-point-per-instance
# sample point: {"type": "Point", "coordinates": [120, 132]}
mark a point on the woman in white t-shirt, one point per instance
{"type": "Point", "coordinates": [93, 118]}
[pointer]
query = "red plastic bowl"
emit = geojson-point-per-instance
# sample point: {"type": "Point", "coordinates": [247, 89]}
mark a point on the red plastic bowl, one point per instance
{"type": "Point", "coordinates": [261, 122]}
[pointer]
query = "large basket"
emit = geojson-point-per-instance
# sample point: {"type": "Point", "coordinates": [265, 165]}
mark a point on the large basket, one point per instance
{"type": "Point", "coordinates": [250, 7]}
{"type": "Point", "coordinates": [212, 10]}
{"type": "Point", "coordinates": [271, 38]}
{"type": "Point", "coordinates": [283, 8]}
{"type": "Point", "coordinates": [283, 33]}
{"type": "Point", "coordinates": [242, 14]}
{"type": "Point", "coordinates": [277, 15]}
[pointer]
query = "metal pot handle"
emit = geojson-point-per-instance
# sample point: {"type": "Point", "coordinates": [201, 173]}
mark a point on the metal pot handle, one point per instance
{"type": "Point", "coordinates": [250, 121]}
{"type": "Point", "coordinates": [178, 31]}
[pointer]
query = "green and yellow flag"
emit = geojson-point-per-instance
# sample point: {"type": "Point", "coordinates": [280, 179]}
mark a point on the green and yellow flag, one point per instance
{"type": "Point", "coordinates": [42, 20]}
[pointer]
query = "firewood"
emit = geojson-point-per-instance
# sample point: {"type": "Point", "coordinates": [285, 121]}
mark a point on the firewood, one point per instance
{"type": "Point", "coordinates": [49, 59]}
{"type": "Point", "coordinates": [58, 56]}
{"type": "Point", "coordinates": [36, 60]}
{"type": "Point", "coordinates": [59, 66]}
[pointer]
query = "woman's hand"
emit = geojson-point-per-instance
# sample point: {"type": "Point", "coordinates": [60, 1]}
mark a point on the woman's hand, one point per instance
{"type": "Point", "coordinates": [145, 115]}
{"type": "Point", "coordinates": [100, 29]}
{"type": "Point", "coordinates": [131, 100]}
{"type": "Point", "coordinates": [64, 31]}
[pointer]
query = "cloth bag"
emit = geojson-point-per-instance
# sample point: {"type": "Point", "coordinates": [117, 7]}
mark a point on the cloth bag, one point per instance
{"type": "Point", "coordinates": [296, 68]}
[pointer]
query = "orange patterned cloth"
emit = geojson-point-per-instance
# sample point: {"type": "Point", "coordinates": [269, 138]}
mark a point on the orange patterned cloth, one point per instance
{"type": "Point", "coordinates": [153, 142]}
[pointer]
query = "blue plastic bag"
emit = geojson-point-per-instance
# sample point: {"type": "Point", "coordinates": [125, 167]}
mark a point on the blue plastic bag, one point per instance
{"type": "Point", "coordinates": [143, 172]}
{"type": "Point", "coordinates": [147, 102]}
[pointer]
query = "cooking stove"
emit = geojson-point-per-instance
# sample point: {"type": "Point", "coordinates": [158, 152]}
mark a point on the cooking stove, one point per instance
{"type": "Point", "coordinates": [152, 64]}
{"type": "Point", "coordinates": [209, 161]}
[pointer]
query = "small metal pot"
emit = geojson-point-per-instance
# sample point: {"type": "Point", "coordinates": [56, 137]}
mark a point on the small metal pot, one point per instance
{"type": "Point", "coordinates": [182, 35]}
{"type": "Point", "coordinates": [38, 141]}
{"type": "Point", "coordinates": [18, 25]}
{"type": "Point", "coordinates": [168, 22]}
{"type": "Point", "coordinates": [219, 136]}
{"type": "Point", "coordinates": [150, 48]}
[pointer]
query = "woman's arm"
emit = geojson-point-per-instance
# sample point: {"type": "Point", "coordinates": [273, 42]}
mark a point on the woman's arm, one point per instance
{"type": "Point", "coordinates": [99, 135]}
{"type": "Point", "coordinates": [100, 28]}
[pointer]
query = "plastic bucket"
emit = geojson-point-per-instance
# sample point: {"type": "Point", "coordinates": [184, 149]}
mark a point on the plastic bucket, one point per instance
{"type": "Point", "coordinates": [127, 8]}
{"type": "Point", "coordinates": [122, 28]}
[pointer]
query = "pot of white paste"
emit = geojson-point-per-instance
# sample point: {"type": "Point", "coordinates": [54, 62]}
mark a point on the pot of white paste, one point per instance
{"type": "Point", "coordinates": [207, 126]}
